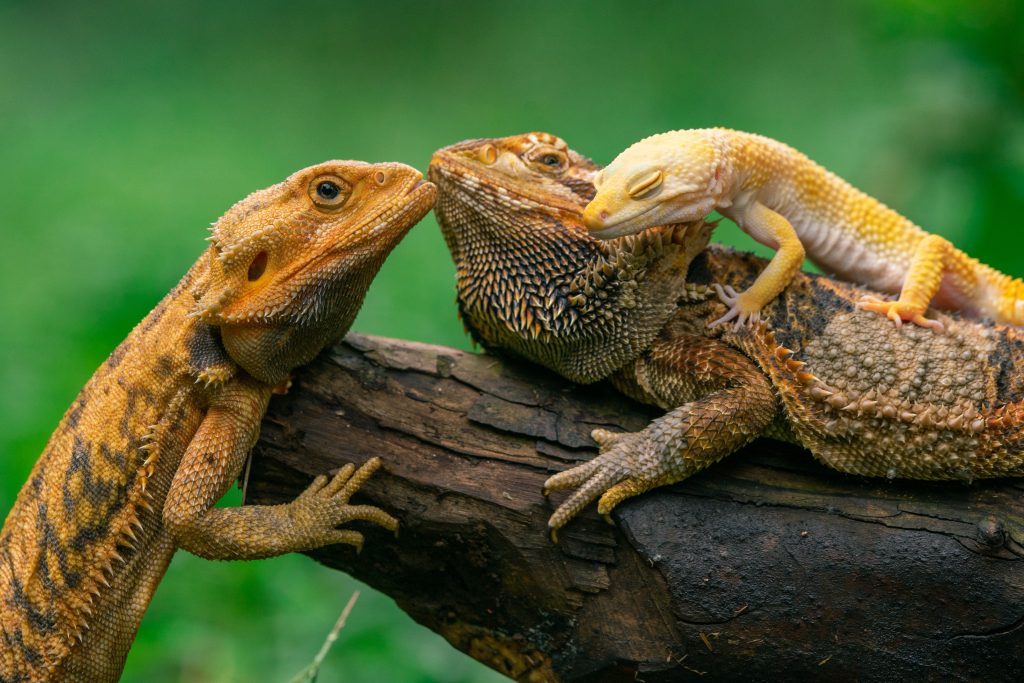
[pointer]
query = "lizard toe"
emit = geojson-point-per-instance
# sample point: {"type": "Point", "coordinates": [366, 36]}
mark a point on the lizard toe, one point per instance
{"type": "Point", "coordinates": [571, 477]}
{"type": "Point", "coordinates": [584, 495]}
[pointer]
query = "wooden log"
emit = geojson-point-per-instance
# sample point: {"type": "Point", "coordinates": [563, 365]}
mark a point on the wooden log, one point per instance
{"type": "Point", "coordinates": [765, 566]}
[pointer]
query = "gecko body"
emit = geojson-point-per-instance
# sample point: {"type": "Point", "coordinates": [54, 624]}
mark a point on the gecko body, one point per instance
{"type": "Point", "coordinates": [789, 203]}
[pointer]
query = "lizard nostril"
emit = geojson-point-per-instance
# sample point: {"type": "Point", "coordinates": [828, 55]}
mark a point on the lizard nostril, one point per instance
{"type": "Point", "coordinates": [380, 177]}
{"type": "Point", "coordinates": [603, 215]}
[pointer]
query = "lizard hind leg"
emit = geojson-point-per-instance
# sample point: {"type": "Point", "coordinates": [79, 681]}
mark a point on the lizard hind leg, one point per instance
{"type": "Point", "coordinates": [933, 258]}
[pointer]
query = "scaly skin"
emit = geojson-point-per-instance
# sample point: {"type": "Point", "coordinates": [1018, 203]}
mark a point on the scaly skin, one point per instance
{"type": "Point", "coordinates": [789, 203]}
{"type": "Point", "coordinates": [163, 428]}
{"type": "Point", "coordinates": [862, 395]}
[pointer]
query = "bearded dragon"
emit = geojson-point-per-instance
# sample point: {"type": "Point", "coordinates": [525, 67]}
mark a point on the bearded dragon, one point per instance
{"type": "Point", "coordinates": [864, 396]}
{"type": "Point", "coordinates": [787, 202]}
{"type": "Point", "coordinates": [165, 425]}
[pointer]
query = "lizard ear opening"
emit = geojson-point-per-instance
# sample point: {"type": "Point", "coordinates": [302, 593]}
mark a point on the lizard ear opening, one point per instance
{"type": "Point", "coordinates": [488, 154]}
{"type": "Point", "coordinates": [257, 267]}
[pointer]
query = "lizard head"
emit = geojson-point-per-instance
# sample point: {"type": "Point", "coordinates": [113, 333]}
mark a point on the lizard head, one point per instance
{"type": "Point", "coordinates": [530, 278]}
{"type": "Point", "coordinates": [517, 172]}
{"type": "Point", "coordinates": [289, 265]}
{"type": "Point", "coordinates": [666, 178]}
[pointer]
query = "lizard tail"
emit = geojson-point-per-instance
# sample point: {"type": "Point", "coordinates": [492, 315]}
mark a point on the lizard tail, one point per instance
{"type": "Point", "coordinates": [1000, 296]}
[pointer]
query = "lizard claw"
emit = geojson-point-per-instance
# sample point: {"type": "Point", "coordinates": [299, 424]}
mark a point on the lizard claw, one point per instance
{"type": "Point", "coordinates": [739, 309]}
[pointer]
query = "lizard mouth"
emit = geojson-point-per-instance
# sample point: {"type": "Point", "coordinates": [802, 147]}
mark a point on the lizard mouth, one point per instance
{"type": "Point", "coordinates": [622, 227]}
{"type": "Point", "coordinates": [415, 186]}
{"type": "Point", "coordinates": [453, 172]}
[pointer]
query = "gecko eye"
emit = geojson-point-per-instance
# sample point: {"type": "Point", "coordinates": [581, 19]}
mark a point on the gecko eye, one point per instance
{"type": "Point", "coordinates": [646, 185]}
{"type": "Point", "coordinates": [329, 192]}
{"type": "Point", "coordinates": [258, 266]}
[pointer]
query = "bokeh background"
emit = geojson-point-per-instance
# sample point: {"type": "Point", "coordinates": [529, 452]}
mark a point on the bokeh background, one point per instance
{"type": "Point", "coordinates": [126, 128]}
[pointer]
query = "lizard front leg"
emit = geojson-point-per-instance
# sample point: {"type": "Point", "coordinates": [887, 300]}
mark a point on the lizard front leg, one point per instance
{"type": "Point", "coordinates": [772, 230]}
{"type": "Point", "coordinates": [722, 400]}
{"type": "Point", "coordinates": [214, 460]}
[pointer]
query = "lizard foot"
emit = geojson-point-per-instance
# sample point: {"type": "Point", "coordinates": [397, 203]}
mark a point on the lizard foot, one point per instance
{"type": "Point", "coordinates": [740, 308]}
{"type": "Point", "coordinates": [899, 312]}
{"type": "Point", "coordinates": [324, 505]}
{"type": "Point", "coordinates": [614, 475]}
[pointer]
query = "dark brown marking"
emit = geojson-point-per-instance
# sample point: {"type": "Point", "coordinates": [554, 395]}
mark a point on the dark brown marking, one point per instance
{"type": "Point", "coordinates": [76, 411]}
{"type": "Point", "coordinates": [117, 355]}
{"type": "Point", "coordinates": [205, 349]}
{"type": "Point", "coordinates": [155, 315]}
{"type": "Point", "coordinates": [1004, 360]}
{"type": "Point", "coordinates": [164, 366]}
{"type": "Point", "coordinates": [50, 541]}
{"type": "Point", "coordinates": [41, 621]}
{"type": "Point", "coordinates": [125, 425]}
{"type": "Point", "coordinates": [116, 458]}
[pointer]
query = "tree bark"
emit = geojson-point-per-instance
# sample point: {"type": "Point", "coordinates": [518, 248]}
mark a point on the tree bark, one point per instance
{"type": "Point", "coordinates": [766, 565]}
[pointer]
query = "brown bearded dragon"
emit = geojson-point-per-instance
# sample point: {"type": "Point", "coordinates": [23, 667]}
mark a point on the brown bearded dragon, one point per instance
{"type": "Point", "coordinates": [864, 396]}
{"type": "Point", "coordinates": [789, 203]}
{"type": "Point", "coordinates": [163, 428]}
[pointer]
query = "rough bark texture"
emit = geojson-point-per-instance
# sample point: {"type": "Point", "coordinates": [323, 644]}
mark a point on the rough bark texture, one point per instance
{"type": "Point", "coordinates": [765, 565]}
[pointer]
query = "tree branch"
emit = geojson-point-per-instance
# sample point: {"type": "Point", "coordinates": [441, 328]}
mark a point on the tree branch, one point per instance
{"type": "Point", "coordinates": [765, 563]}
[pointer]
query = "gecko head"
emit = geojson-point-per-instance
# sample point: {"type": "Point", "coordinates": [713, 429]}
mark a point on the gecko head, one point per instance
{"type": "Point", "coordinates": [668, 178]}
{"type": "Point", "coordinates": [289, 265]}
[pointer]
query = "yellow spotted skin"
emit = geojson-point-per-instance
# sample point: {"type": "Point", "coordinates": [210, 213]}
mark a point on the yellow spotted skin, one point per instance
{"type": "Point", "coordinates": [787, 202]}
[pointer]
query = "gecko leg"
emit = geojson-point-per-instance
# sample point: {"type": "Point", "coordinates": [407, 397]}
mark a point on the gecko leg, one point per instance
{"type": "Point", "coordinates": [736, 404]}
{"type": "Point", "coordinates": [772, 230]}
{"type": "Point", "coordinates": [214, 460]}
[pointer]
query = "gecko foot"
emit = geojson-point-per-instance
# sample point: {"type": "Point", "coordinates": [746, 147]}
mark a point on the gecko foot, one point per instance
{"type": "Point", "coordinates": [899, 312]}
{"type": "Point", "coordinates": [740, 309]}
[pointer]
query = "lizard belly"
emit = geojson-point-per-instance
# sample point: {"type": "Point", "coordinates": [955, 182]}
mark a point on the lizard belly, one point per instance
{"type": "Point", "coordinates": [844, 253]}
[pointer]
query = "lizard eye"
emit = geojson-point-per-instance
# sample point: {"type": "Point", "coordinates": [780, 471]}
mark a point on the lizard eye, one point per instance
{"type": "Point", "coordinates": [550, 161]}
{"type": "Point", "coordinates": [646, 185]}
{"type": "Point", "coordinates": [329, 192]}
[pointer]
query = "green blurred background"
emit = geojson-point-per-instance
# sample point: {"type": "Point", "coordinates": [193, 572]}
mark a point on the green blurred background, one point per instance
{"type": "Point", "coordinates": [126, 129]}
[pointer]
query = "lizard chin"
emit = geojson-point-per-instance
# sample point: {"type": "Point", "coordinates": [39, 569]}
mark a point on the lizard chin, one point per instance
{"type": "Point", "coordinates": [624, 226]}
